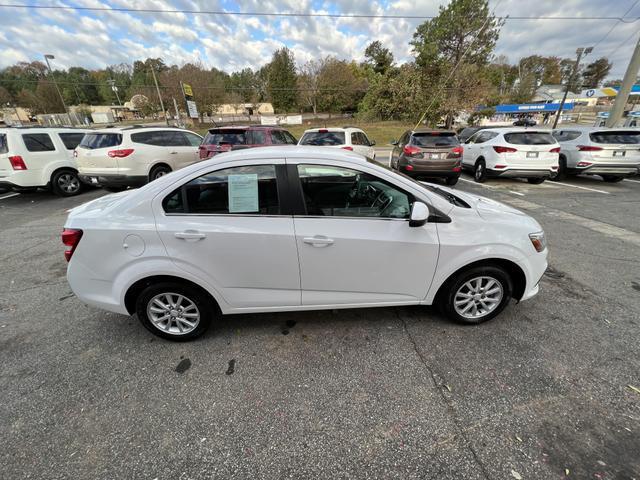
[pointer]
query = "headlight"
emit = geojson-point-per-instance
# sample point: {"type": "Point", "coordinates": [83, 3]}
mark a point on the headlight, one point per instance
{"type": "Point", "coordinates": [538, 241]}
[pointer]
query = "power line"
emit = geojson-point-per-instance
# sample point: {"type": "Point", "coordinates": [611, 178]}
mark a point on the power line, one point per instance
{"type": "Point", "coordinates": [297, 14]}
{"type": "Point", "coordinates": [626, 40]}
{"type": "Point", "coordinates": [613, 27]}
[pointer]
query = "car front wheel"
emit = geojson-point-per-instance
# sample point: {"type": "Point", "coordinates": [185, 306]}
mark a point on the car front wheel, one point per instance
{"type": "Point", "coordinates": [476, 295]}
{"type": "Point", "coordinates": [174, 311]}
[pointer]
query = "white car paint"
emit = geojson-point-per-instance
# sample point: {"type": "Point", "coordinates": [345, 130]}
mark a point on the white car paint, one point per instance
{"type": "Point", "coordinates": [259, 263]}
{"type": "Point", "coordinates": [529, 161]}
{"type": "Point", "coordinates": [355, 140]}
{"type": "Point", "coordinates": [40, 165]}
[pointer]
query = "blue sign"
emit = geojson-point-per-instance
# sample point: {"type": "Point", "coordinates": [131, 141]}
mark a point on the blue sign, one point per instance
{"type": "Point", "coordinates": [532, 107]}
{"type": "Point", "coordinates": [634, 89]}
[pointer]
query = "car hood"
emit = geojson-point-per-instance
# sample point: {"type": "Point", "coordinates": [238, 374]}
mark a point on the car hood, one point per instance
{"type": "Point", "coordinates": [486, 207]}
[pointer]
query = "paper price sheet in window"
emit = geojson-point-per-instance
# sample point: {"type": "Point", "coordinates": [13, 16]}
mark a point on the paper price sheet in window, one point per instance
{"type": "Point", "coordinates": [243, 193]}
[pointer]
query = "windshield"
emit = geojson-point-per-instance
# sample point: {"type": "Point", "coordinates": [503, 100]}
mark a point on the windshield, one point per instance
{"type": "Point", "coordinates": [618, 137]}
{"type": "Point", "coordinates": [437, 139]}
{"type": "Point", "coordinates": [92, 141]}
{"type": "Point", "coordinates": [529, 138]}
{"type": "Point", "coordinates": [323, 138]}
{"type": "Point", "coordinates": [229, 137]}
{"type": "Point", "coordinates": [4, 148]}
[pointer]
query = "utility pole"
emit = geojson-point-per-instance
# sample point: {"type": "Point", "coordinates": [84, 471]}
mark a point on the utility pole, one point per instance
{"type": "Point", "coordinates": [175, 105]}
{"type": "Point", "coordinates": [627, 83]}
{"type": "Point", "coordinates": [153, 72]}
{"type": "Point", "coordinates": [579, 52]}
{"type": "Point", "coordinates": [114, 89]}
{"type": "Point", "coordinates": [48, 57]}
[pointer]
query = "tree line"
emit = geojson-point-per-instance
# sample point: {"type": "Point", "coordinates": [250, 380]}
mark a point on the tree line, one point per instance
{"type": "Point", "coordinates": [453, 68]}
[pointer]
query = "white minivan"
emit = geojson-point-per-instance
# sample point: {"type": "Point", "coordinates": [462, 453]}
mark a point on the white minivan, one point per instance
{"type": "Point", "coordinates": [40, 157]}
{"type": "Point", "coordinates": [117, 158]}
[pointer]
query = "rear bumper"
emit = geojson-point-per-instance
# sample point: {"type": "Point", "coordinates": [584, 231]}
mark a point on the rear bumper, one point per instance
{"type": "Point", "coordinates": [115, 180]}
{"type": "Point", "coordinates": [452, 169]}
{"type": "Point", "coordinates": [517, 172]}
{"type": "Point", "coordinates": [22, 179]}
{"type": "Point", "coordinates": [605, 169]}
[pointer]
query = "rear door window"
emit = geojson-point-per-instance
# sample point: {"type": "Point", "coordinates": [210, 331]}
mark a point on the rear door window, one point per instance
{"type": "Point", "coordinates": [435, 140]}
{"type": "Point", "coordinates": [160, 138]}
{"type": "Point", "coordinates": [529, 138]}
{"type": "Point", "coordinates": [71, 140]}
{"type": "Point", "coordinates": [38, 142]}
{"type": "Point", "coordinates": [323, 138]}
{"type": "Point", "coordinates": [629, 137]}
{"type": "Point", "coordinates": [92, 141]}
{"type": "Point", "coordinates": [4, 147]}
{"type": "Point", "coordinates": [258, 137]}
{"type": "Point", "coordinates": [226, 137]}
{"type": "Point", "coordinates": [192, 139]}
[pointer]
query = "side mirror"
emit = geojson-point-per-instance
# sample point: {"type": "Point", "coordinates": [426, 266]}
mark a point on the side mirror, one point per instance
{"type": "Point", "coordinates": [393, 142]}
{"type": "Point", "coordinates": [419, 214]}
{"type": "Point", "coordinates": [372, 143]}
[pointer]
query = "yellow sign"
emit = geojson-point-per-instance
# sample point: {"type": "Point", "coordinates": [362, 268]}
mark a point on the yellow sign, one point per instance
{"type": "Point", "coordinates": [187, 90]}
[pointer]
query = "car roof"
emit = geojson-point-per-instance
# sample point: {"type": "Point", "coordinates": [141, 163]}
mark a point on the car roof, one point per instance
{"type": "Point", "coordinates": [334, 129]}
{"type": "Point", "coordinates": [288, 151]}
{"type": "Point", "coordinates": [432, 130]}
{"type": "Point", "coordinates": [44, 129]}
{"type": "Point", "coordinates": [135, 128]}
{"type": "Point", "coordinates": [521, 130]}
{"type": "Point", "coordinates": [248, 127]}
{"type": "Point", "coordinates": [583, 128]}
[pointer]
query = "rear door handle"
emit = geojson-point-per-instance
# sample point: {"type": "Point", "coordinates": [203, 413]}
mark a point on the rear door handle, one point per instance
{"type": "Point", "coordinates": [173, 153]}
{"type": "Point", "coordinates": [318, 241]}
{"type": "Point", "coordinates": [190, 235]}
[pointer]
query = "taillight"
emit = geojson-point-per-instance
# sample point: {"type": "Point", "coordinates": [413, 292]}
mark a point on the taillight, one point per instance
{"type": "Point", "coordinates": [456, 152]}
{"type": "Point", "coordinates": [125, 152]}
{"type": "Point", "coordinates": [17, 163]}
{"type": "Point", "coordinates": [588, 148]}
{"type": "Point", "coordinates": [323, 130]}
{"type": "Point", "coordinates": [500, 149]}
{"type": "Point", "coordinates": [411, 151]}
{"type": "Point", "coordinates": [70, 237]}
{"type": "Point", "coordinates": [499, 166]}
{"type": "Point", "coordinates": [348, 148]}
{"type": "Point", "coordinates": [583, 164]}
{"type": "Point", "coordinates": [408, 167]}
{"type": "Point", "coordinates": [555, 150]}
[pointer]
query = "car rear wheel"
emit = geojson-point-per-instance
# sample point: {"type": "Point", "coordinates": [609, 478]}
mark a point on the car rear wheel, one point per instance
{"type": "Point", "coordinates": [451, 180]}
{"type": "Point", "coordinates": [476, 295]}
{"type": "Point", "coordinates": [66, 183]}
{"type": "Point", "coordinates": [535, 180]}
{"type": "Point", "coordinates": [159, 171]}
{"type": "Point", "coordinates": [174, 311]}
{"type": "Point", "coordinates": [480, 171]}
{"type": "Point", "coordinates": [612, 178]}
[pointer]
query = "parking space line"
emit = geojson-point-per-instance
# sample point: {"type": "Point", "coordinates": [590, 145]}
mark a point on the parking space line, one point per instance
{"type": "Point", "coordinates": [9, 195]}
{"type": "Point", "coordinates": [516, 193]}
{"type": "Point", "coordinates": [479, 184]}
{"type": "Point", "coordinates": [629, 180]}
{"type": "Point", "coordinates": [582, 188]}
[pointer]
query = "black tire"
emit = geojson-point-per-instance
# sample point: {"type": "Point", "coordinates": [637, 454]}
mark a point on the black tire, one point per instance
{"type": "Point", "coordinates": [612, 178]}
{"type": "Point", "coordinates": [536, 180]}
{"type": "Point", "coordinates": [446, 297]}
{"type": "Point", "coordinates": [561, 174]}
{"type": "Point", "coordinates": [451, 180]}
{"type": "Point", "coordinates": [480, 171]}
{"type": "Point", "coordinates": [200, 299]}
{"type": "Point", "coordinates": [115, 188]}
{"type": "Point", "coordinates": [66, 183]}
{"type": "Point", "coordinates": [159, 171]}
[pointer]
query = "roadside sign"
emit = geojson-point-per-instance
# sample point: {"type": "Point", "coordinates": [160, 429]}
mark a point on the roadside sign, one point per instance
{"type": "Point", "coordinates": [187, 90]}
{"type": "Point", "coordinates": [193, 110]}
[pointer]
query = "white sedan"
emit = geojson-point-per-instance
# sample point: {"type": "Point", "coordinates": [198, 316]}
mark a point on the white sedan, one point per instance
{"type": "Point", "coordinates": [296, 228]}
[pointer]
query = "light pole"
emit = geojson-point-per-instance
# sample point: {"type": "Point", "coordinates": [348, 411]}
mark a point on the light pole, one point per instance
{"type": "Point", "coordinates": [115, 89]}
{"type": "Point", "coordinates": [48, 57]}
{"type": "Point", "coordinates": [579, 52]}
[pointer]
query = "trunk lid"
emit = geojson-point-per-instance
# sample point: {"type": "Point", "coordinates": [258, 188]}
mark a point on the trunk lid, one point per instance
{"type": "Point", "coordinates": [617, 146]}
{"type": "Point", "coordinates": [532, 149]}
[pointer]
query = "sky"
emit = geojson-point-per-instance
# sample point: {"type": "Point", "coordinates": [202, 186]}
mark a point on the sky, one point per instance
{"type": "Point", "coordinates": [97, 39]}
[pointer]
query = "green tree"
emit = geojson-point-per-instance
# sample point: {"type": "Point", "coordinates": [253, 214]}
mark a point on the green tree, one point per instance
{"type": "Point", "coordinates": [451, 51]}
{"type": "Point", "coordinates": [339, 87]}
{"type": "Point", "coordinates": [595, 73]}
{"type": "Point", "coordinates": [379, 58]}
{"type": "Point", "coordinates": [282, 81]}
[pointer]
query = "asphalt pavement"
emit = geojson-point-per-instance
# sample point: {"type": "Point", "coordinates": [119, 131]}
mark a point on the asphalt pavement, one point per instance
{"type": "Point", "coordinates": [548, 390]}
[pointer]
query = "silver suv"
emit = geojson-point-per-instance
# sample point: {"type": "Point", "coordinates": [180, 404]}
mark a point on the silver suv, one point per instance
{"type": "Point", "coordinates": [612, 153]}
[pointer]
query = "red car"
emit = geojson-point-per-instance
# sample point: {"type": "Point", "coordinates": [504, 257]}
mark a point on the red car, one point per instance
{"type": "Point", "coordinates": [223, 139]}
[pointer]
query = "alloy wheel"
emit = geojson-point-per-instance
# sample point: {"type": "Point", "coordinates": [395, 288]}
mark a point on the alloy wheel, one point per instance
{"type": "Point", "coordinates": [173, 313]}
{"type": "Point", "coordinates": [478, 297]}
{"type": "Point", "coordinates": [68, 183]}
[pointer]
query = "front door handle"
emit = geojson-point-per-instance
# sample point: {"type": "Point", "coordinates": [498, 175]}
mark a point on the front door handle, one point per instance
{"type": "Point", "coordinates": [318, 241]}
{"type": "Point", "coordinates": [190, 235]}
{"type": "Point", "coordinates": [173, 153]}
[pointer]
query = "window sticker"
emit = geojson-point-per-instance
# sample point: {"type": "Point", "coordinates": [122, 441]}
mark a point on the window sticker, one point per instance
{"type": "Point", "coordinates": [243, 193]}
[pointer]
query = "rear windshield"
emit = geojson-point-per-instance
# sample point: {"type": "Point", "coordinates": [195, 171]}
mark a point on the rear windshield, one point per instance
{"type": "Point", "coordinates": [436, 139]}
{"type": "Point", "coordinates": [529, 138]}
{"type": "Point", "coordinates": [4, 148]}
{"type": "Point", "coordinates": [627, 136]}
{"type": "Point", "coordinates": [226, 137]}
{"type": "Point", "coordinates": [323, 138]}
{"type": "Point", "coordinates": [92, 141]}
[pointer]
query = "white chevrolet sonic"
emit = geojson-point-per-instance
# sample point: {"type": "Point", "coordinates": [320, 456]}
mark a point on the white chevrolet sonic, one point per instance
{"type": "Point", "coordinates": [297, 228]}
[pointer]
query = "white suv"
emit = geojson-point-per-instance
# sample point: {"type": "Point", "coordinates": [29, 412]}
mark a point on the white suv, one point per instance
{"type": "Point", "coordinates": [116, 158]}
{"type": "Point", "coordinates": [612, 153]}
{"type": "Point", "coordinates": [348, 138]}
{"type": "Point", "coordinates": [511, 152]}
{"type": "Point", "coordinates": [40, 157]}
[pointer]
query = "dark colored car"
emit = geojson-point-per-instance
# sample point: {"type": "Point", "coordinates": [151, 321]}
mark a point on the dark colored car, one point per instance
{"type": "Point", "coordinates": [429, 154]}
{"type": "Point", "coordinates": [525, 122]}
{"type": "Point", "coordinates": [222, 139]}
{"type": "Point", "coordinates": [466, 133]}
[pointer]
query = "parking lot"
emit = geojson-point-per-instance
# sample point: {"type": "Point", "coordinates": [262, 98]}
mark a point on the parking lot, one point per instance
{"type": "Point", "coordinates": [549, 389]}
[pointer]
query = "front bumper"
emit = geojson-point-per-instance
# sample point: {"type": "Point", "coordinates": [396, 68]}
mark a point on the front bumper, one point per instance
{"type": "Point", "coordinates": [114, 180]}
